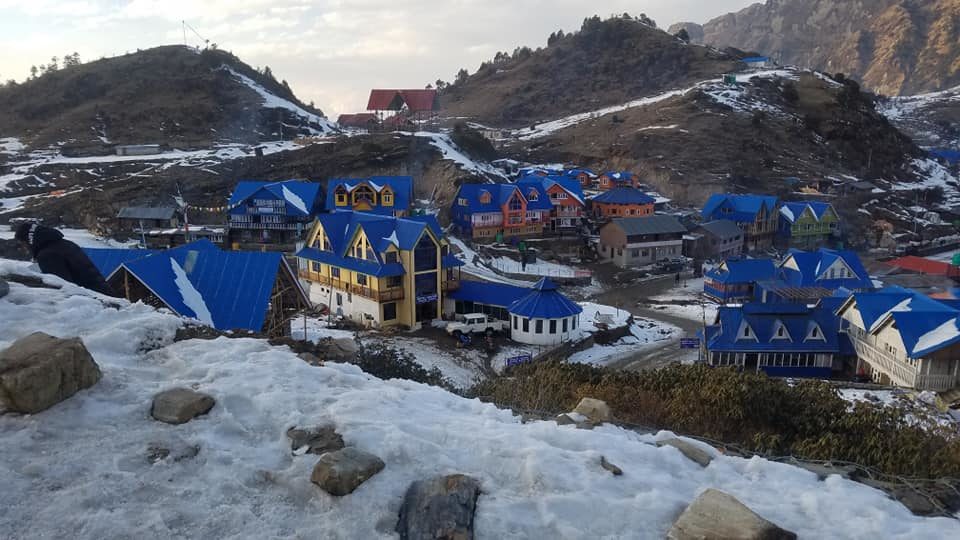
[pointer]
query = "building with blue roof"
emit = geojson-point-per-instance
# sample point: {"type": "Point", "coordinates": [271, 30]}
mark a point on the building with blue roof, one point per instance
{"type": "Point", "coordinates": [904, 338]}
{"type": "Point", "coordinates": [480, 297]}
{"type": "Point", "coordinates": [544, 316]}
{"type": "Point", "coordinates": [735, 280]}
{"type": "Point", "coordinates": [757, 62]}
{"type": "Point", "coordinates": [107, 260]}
{"type": "Point", "coordinates": [385, 195]}
{"type": "Point", "coordinates": [379, 270]}
{"type": "Point", "coordinates": [227, 290]}
{"type": "Point", "coordinates": [586, 177]}
{"type": "Point", "coordinates": [272, 215]}
{"type": "Point", "coordinates": [566, 198]}
{"type": "Point", "coordinates": [617, 179]}
{"type": "Point", "coordinates": [757, 215]}
{"type": "Point", "coordinates": [622, 202]}
{"type": "Point", "coordinates": [500, 211]}
{"type": "Point", "coordinates": [782, 340]}
{"type": "Point", "coordinates": [808, 224]}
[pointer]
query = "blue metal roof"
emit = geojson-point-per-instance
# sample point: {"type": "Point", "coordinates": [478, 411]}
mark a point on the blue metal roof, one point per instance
{"type": "Point", "coordinates": [491, 294]}
{"type": "Point", "coordinates": [744, 271]}
{"type": "Point", "coordinates": [926, 332]}
{"type": "Point", "coordinates": [544, 302]}
{"type": "Point", "coordinates": [570, 185]}
{"type": "Point", "coordinates": [301, 197]}
{"type": "Point", "coordinates": [451, 261]}
{"type": "Point", "coordinates": [791, 211]}
{"type": "Point", "coordinates": [755, 59]}
{"type": "Point", "coordinates": [813, 267]}
{"type": "Point", "coordinates": [107, 260]}
{"type": "Point", "coordinates": [948, 154]}
{"type": "Point", "coordinates": [233, 287]}
{"type": "Point", "coordinates": [623, 195]}
{"type": "Point", "coordinates": [499, 195]}
{"type": "Point", "coordinates": [576, 172]}
{"type": "Point", "coordinates": [371, 268]}
{"type": "Point", "coordinates": [765, 320]}
{"type": "Point", "coordinates": [402, 187]}
{"type": "Point", "coordinates": [740, 208]}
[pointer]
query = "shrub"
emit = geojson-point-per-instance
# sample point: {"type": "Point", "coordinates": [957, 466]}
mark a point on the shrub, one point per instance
{"type": "Point", "coordinates": [387, 362]}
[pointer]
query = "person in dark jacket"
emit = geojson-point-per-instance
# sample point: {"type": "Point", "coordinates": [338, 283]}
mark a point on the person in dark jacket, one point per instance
{"type": "Point", "coordinates": [61, 257]}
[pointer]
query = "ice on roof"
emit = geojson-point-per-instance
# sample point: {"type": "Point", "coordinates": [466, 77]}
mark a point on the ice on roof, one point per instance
{"type": "Point", "coordinates": [393, 238]}
{"type": "Point", "coordinates": [787, 213]}
{"type": "Point", "coordinates": [294, 199]}
{"type": "Point", "coordinates": [945, 332]}
{"type": "Point", "coordinates": [191, 296]}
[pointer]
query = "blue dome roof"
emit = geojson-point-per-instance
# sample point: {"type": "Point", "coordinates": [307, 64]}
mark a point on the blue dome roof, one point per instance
{"type": "Point", "coordinates": [544, 302]}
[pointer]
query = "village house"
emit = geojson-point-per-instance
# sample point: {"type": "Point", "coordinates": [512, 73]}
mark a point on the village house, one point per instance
{"type": "Point", "coordinates": [757, 215]}
{"type": "Point", "coordinates": [808, 225]}
{"type": "Point", "coordinates": [716, 240]}
{"type": "Point", "coordinates": [565, 195]}
{"type": "Point", "coordinates": [613, 180]}
{"type": "Point", "coordinates": [367, 121]}
{"type": "Point", "coordinates": [379, 270]}
{"type": "Point", "coordinates": [904, 338]}
{"type": "Point", "coordinates": [227, 290]}
{"type": "Point", "coordinates": [808, 276]}
{"type": "Point", "coordinates": [185, 234]}
{"type": "Point", "coordinates": [385, 195]}
{"type": "Point", "coordinates": [641, 241]}
{"type": "Point", "coordinates": [781, 340]}
{"type": "Point", "coordinates": [621, 202]}
{"type": "Point", "coordinates": [271, 215]}
{"type": "Point", "coordinates": [500, 211]}
{"type": "Point", "coordinates": [586, 177]}
{"type": "Point", "coordinates": [544, 316]}
{"type": "Point", "coordinates": [136, 219]}
{"type": "Point", "coordinates": [735, 280]}
{"type": "Point", "coordinates": [417, 105]}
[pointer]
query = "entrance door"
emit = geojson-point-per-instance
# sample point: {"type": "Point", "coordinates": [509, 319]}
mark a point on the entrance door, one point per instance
{"type": "Point", "coordinates": [426, 312]}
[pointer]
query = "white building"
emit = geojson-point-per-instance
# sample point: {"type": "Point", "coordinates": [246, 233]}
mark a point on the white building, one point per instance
{"type": "Point", "coordinates": [544, 316]}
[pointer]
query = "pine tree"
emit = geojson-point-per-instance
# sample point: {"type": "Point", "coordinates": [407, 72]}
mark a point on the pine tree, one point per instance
{"type": "Point", "coordinates": [462, 76]}
{"type": "Point", "coordinates": [33, 72]}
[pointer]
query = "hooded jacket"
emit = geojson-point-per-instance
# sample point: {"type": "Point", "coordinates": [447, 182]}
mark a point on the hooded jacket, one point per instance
{"type": "Point", "coordinates": [65, 259]}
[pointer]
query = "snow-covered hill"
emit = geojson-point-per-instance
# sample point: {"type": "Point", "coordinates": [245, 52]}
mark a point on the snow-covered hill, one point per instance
{"type": "Point", "coordinates": [80, 469]}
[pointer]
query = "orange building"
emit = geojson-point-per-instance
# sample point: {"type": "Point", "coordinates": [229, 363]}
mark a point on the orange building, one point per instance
{"type": "Point", "coordinates": [622, 202]}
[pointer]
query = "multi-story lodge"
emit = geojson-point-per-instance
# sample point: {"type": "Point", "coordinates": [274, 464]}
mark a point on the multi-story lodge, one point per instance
{"type": "Point", "coordinates": [385, 195]}
{"type": "Point", "coordinates": [757, 215]}
{"type": "Point", "coordinates": [622, 202]}
{"type": "Point", "coordinates": [904, 338]}
{"type": "Point", "coordinates": [272, 214]}
{"type": "Point", "coordinates": [489, 211]}
{"type": "Point", "coordinates": [612, 180]}
{"type": "Point", "coordinates": [379, 270]}
{"type": "Point", "coordinates": [808, 224]}
{"type": "Point", "coordinates": [586, 177]}
{"type": "Point", "coordinates": [641, 241]}
{"type": "Point", "coordinates": [565, 195]}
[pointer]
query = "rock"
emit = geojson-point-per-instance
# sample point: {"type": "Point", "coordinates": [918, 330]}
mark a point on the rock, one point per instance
{"type": "Point", "coordinates": [310, 358]}
{"type": "Point", "coordinates": [596, 410]}
{"type": "Point", "coordinates": [617, 471]}
{"type": "Point", "coordinates": [39, 371]}
{"type": "Point", "coordinates": [823, 470]}
{"type": "Point", "coordinates": [343, 348]}
{"type": "Point", "coordinates": [690, 450]}
{"type": "Point", "coordinates": [4, 288]}
{"type": "Point", "coordinates": [917, 502]}
{"type": "Point", "coordinates": [316, 440]}
{"type": "Point", "coordinates": [714, 515]}
{"type": "Point", "coordinates": [175, 449]}
{"type": "Point", "coordinates": [180, 405]}
{"type": "Point", "coordinates": [439, 508]}
{"type": "Point", "coordinates": [574, 419]}
{"type": "Point", "coordinates": [342, 471]}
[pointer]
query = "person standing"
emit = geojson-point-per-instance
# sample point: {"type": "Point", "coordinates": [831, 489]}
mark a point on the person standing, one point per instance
{"type": "Point", "coordinates": [61, 257]}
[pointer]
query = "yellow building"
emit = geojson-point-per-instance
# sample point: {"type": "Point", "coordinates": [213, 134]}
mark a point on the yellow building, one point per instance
{"type": "Point", "coordinates": [379, 270]}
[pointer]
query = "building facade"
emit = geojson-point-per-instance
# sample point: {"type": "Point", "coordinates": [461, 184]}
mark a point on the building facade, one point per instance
{"type": "Point", "coordinates": [378, 270]}
{"type": "Point", "coordinates": [385, 195]}
{"type": "Point", "coordinates": [136, 219]}
{"type": "Point", "coordinates": [718, 240]}
{"type": "Point", "coordinates": [271, 215]}
{"type": "Point", "coordinates": [756, 215]}
{"type": "Point", "coordinates": [808, 225]}
{"type": "Point", "coordinates": [621, 203]}
{"type": "Point", "coordinates": [504, 211]}
{"type": "Point", "coordinates": [629, 242]}
{"type": "Point", "coordinates": [613, 180]}
{"type": "Point", "coordinates": [735, 280]}
{"type": "Point", "coordinates": [544, 316]}
{"type": "Point", "coordinates": [566, 197]}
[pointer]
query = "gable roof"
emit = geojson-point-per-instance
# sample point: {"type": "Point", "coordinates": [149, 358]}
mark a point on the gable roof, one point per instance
{"type": "Point", "coordinates": [765, 319]}
{"type": "Point", "coordinates": [568, 184]}
{"type": "Point", "coordinates": [623, 195]}
{"type": "Point", "coordinates": [402, 187]}
{"type": "Point", "coordinates": [499, 195]}
{"type": "Point", "coordinates": [300, 197]}
{"type": "Point", "coordinates": [357, 119]}
{"type": "Point", "coordinates": [649, 225]}
{"type": "Point", "coordinates": [926, 266]}
{"type": "Point", "coordinates": [147, 212]}
{"type": "Point", "coordinates": [107, 260]}
{"type": "Point", "coordinates": [812, 268]}
{"type": "Point", "coordinates": [791, 211]}
{"type": "Point", "coordinates": [544, 301]}
{"type": "Point", "coordinates": [577, 172]}
{"type": "Point", "coordinates": [743, 208]}
{"type": "Point", "coordinates": [416, 100]}
{"type": "Point", "coordinates": [743, 271]}
{"type": "Point", "coordinates": [722, 228]}
{"type": "Point", "coordinates": [225, 289]}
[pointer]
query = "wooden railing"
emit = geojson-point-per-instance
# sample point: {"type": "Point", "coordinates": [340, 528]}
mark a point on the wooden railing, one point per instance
{"type": "Point", "coordinates": [386, 295]}
{"type": "Point", "coordinates": [900, 373]}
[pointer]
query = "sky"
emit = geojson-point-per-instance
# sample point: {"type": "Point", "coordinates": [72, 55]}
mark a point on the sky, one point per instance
{"type": "Point", "coordinates": [330, 51]}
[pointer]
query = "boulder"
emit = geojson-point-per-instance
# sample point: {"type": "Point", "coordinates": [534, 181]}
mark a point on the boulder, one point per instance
{"type": "Point", "coordinates": [690, 450]}
{"type": "Point", "coordinates": [342, 348]}
{"type": "Point", "coordinates": [715, 515]}
{"type": "Point", "coordinates": [39, 371]}
{"type": "Point", "coordinates": [614, 470]}
{"type": "Point", "coordinates": [175, 449]}
{"type": "Point", "coordinates": [4, 288]}
{"type": "Point", "coordinates": [180, 405]}
{"type": "Point", "coordinates": [310, 358]}
{"type": "Point", "coordinates": [342, 471]}
{"type": "Point", "coordinates": [315, 440]}
{"type": "Point", "coordinates": [594, 409]}
{"type": "Point", "coordinates": [439, 508]}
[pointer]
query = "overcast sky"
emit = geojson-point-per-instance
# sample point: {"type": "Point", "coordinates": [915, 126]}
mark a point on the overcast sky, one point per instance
{"type": "Point", "coordinates": [330, 51]}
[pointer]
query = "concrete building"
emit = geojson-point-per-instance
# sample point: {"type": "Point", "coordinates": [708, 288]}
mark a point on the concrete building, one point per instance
{"type": "Point", "coordinates": [641, 241]}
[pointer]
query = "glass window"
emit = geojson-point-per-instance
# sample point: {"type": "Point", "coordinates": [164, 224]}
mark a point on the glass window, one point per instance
{"type": "Point", "coordinates": [394, 281]}
{"type": "Point", "coordinates": [575, 322]}
{"type": "Point", "coordinates": [362, 279]}
{"type": "Point", "coordinates": [526, 325]}
{"type": "Point", "coordinates": [564, 326]}
{"type": "Point", "coordinates": [516, 322]}
{"type": "Point", "coordinates": [539, 326]}
{"type": "Point", "coordinates": [335, 272]}
{"type": "Point", "coordinates": [390, 311]}
{"type": "Point", "coordinates": [315, 266]}
{"type": "Point", "coordinates": [339, 299]}
{"type": "Point", "coordinates": [553, 326]}
{"type": "Point", "coordinates": [391, 257]}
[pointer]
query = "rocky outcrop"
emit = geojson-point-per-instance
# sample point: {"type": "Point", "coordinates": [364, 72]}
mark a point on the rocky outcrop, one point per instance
{"type": "Point", "coordinates": [340, 472]}
{"type": "Point", "coordinates": [613, 469]}
{"type": "Point", "coordinates": [40, 370]}
{"type": "Point", "coordinates": [715, 515]}
{"type": "Point", "coordinates": [595, 410]}
{"type": "Point", "coordinates": [4, 288]}
{"type": "Point", "coordinates": [690, 450]}
{"type": "Point", "coordinates": [174, 449]}
{"type": "Point", "coordinates": [180, 405]}
{"type": "Point", "coordinates": [439, 508]}
{"type": "Point", "coordinates": [315, 440]}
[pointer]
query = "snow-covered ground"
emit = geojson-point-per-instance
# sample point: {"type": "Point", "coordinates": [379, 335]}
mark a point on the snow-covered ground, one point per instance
{"type": "Point", "coordinates": [899, 108]}
{"type": "Point", "coordinates": [272, 101]}
{"type": "Point", "coordinates": [644, 334]}
{"type": "Point", "coordinates": [450, 151]}
{"type": "Point", "coordinates": [685, 301]}
{"type": "Point", "coordinates": [316, 330]}
{"type": "Point", "coordinates": [10, 146]}
{"type": "Point", "coordinates": [81, 237]}
{"type": "Point", "coordinates": [462, 367]}
{"type": "Point", "coordinates": [79, 469]}
{"type": "Point", "coordinates": [473, 265]}
{"type": "Point", "coordinates": [538, 269]}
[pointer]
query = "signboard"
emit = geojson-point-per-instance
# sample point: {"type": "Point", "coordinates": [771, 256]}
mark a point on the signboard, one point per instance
{"type": "Point", "coordinates": [517, 360]}
{"type": "Point", "coordinates": [426, 298]}
{"type": "Point", "coordinates": [689, 343]}
{"type": "Point", "coordinates": [265, 210]}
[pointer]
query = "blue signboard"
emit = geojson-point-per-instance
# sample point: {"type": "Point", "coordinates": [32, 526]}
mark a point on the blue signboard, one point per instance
{"type": "Point", "coordinates": [426, 298]}
{"type": "Point", "coordinates": [689, 343]}
{"type": "Point", "coordinates": [517, 360]}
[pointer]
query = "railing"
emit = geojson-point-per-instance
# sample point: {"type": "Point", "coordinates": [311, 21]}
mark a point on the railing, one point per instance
{"type": "Point", "coordinates": [937, 383]}
{"type": "Point", "coordinates": [268, 226]}
{"type": "Point", "coordinates": [387, 295]}
{"type": "Point", "coordinates": [901, 374]}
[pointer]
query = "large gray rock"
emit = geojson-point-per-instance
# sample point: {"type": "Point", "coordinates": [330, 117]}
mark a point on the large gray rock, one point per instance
{"type": "Point", "coordinates": [439, 508]}
{"type": "Point", "coordinates": [4, 288]}
{"type": "Point", "coordinates": [315, 440]}
{"type": "Point", "coordinates": [690, 450]}
{"type": "Point", "coordinates": [180, 405]}
{"type": "Point", "coordinates": [342, 471]}
{"type": "Point", "coordinates": [596, 410]}
{"type": "Point", "coordinates": [714, 515]}
{"type": "Point", "coordinates": [39, 371]}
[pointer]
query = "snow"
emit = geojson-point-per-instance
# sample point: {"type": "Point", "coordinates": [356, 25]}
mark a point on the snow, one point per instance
{"type": "Point", "coordinates": [686, 302]}
{"type": "Point", "coordinates": [393, 239]}
{"type": "Point", "coordinates": [11, 145]}
{"type": "Point", "coordinates": [537, 270]}
{"type": "Point", "coordinates": [79, 470]}
{"type": "Point", "coordinates": [657, 128]}
{"type": "Point", "coordinates": [474, 266]}
{"type": "Point", "coordinates": [191, 296]}
{"type": "Point", "coordinates": [592, 312]}
{"type": "Point", "coordinates": [450, 151]}
{"type": "Point", "coordinates": [294, 199]}
{"type": "Point", "coordinates": [316, 329]}
{"type": "Point", "coordinates": [272, 101]}
{"type": "Point", "coordinates": [644, 335]}
{"type": "Point", "coordinates": [787, 213]}
{"type": "Point", "coordinates": [941, 334]}
{"type": "Point", "coordinates": [932, 175]}
{"type": "Point", "coordinates": [462, 367]}
{"type": "Point", "coordinates": [884, 397]}
{"type": "Point", "coordinates": [904, 107]}
{"type": "Point", "coordinates": [81, 237]}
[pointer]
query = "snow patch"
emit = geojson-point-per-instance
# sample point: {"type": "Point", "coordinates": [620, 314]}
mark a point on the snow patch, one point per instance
{"type": "Point", "coordinates": [945, 332]}
{"type": "Point", "coordinates": [191, 296]}
{"type": "Point", "coordinates": [294, 199]}
{"type": "Point", "coordinates": [272, 101]}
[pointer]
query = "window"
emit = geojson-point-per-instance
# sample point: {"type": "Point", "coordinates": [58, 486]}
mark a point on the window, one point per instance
{"type": "Point", "coordinates": [515, 203]}
{"type": "Point", "coordinates": [539, 326]}
{"type": "Point", "coordinates": [564, 326]}
{"type": "Point", "coordinates": [362, 279]}
{"type": "Point", "coordinates": [394, 281]}
{"type": "Point", "coordinates": [575, 319]}
{"type": "Point", "coordinates": [635, 253]}
{"type": "Point", "coordinates": [339, 299]}
{"type": "Point", "coordinates": [387, 198]}
{"type": "Point", "coordinates": [334, 272]}
{"type": "Point", "coordinates": [390, 311]}
{"type": "Point", "coordinates": [516, 322]}
{"type": "Point", "coordinates": [526, 325]}
{"type": "Point", "coordinates": [553, 326]}
{"type": "Point", "coordinates": [390, 257]}
{"type": "Point", "coordinates": [645, 253]}
{"type": "Point", "coordinates": [485, 197]}
{"type": "Point", "coordinates": [533, 195]}
{"type": "Point", "coordinates": [462, 201]}
{"type": "Point", "coordinates": [315, 266]}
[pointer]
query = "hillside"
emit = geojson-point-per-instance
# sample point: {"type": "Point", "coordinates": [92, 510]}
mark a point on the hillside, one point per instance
{"type": "Point", "coordinates": [169, 95]}
{"type": "Point", "coordinates": [895, 47]}
{"type": "Point", "coordinates": [933, 120]}
{"type": "Point", "coordinates": [604, 63]}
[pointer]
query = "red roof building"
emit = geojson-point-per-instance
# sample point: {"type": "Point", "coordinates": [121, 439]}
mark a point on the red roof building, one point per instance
{"type": "Point", "coordinates": [929, 267]}
{"type": "Point", "coordinates": [394, 100]}
{"type": "Point", "coordinates": [358, 120]}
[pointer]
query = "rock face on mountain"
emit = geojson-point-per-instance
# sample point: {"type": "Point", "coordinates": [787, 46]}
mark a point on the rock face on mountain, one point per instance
{"type": "Point", "coordinates": [896, 47]}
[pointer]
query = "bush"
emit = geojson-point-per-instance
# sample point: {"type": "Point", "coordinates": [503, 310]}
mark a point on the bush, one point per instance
{"type": "Point", "coordinates": [386, 362]}
{"type": "Point", "coordinates": [764, 415]}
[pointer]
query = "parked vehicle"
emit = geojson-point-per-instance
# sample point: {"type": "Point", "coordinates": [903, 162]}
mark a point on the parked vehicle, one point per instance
{"type": "Point", "coordinates": [477, 323]}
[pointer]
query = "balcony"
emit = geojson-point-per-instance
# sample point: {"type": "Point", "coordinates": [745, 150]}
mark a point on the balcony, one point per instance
{"type": "Point", "coordinates": [386, 295]}
{"type": "Point", "coordinates": [899, 372]}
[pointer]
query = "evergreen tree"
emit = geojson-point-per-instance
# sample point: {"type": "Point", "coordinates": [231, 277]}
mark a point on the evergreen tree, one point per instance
{"type": "Point", "coordinates": [683, 35]}
{"type": "Point", "coordinates": [462, 76]}
{"type": "Point", "coordinates": [33, 72]}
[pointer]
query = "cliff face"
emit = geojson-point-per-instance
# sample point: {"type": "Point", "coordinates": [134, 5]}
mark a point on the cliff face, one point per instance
{"type": "Point", "coordinates": [896, 47]}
